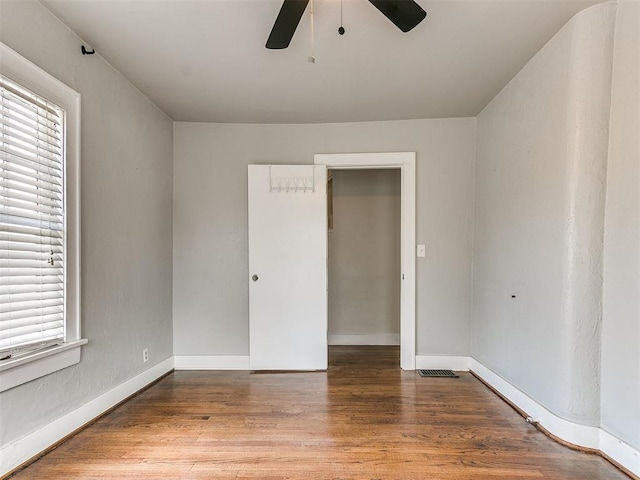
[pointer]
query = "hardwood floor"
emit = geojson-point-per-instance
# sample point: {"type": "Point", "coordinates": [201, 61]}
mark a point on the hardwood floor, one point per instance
{"type": "Point", "coordinates": [362, 419]}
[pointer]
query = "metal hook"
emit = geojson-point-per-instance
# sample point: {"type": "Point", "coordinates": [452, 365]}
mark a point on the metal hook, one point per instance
{"type": "Point", "coordinates": [87, 52]}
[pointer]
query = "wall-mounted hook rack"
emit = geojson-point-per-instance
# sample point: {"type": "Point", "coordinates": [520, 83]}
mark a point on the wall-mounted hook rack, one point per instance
{"type": "Point", "coordinates": [292, 182]}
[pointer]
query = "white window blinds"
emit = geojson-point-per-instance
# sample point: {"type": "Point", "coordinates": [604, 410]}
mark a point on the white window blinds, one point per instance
{"type": "Point", "coordinates": [32, 220]}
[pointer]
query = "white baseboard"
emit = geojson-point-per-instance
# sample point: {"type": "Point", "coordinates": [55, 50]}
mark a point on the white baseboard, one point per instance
{"type": "Point", "coordinates": [369, 339]}
{"type": "Point", "coordinates": [441, 362]}
{"type": "Point", "coordinates": [211, 362]}
{"type": "Point", "coordinates": [620, 452]}
{"type": "Point", "coordinates": [577, 434]}
{"type": "Point", "coordinates": [16, 453]}
{"type": "Point", "coordinates": [582, 435]}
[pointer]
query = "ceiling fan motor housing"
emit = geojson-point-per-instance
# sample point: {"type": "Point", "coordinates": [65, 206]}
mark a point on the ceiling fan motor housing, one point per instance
{"type": "Point", "coordinates": [405, 14]}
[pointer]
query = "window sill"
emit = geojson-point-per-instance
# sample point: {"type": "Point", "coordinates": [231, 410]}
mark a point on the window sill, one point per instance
{"type": "Point", "coordinates": [14, 372]}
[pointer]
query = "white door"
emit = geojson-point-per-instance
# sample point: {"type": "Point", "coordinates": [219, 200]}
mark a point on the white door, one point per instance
{"type": "Point", "coordinates": [287, 267]}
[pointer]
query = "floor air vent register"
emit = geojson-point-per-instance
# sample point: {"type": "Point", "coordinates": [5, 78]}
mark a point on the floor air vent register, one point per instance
{"type": "Point", "coordinates": [437, 373]}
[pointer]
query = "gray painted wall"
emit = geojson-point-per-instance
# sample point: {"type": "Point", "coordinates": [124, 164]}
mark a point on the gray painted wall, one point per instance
{"type": "Point", "coordinates": [364, 253]}
{"type": "Point", "coordinates": [210, 222]}
{"type": "Point", "coordinates": [126, 224]}
{"type": "Point", "coordinates": [541, 170]}
{"type": "Point", "coordinates": [621, 316]}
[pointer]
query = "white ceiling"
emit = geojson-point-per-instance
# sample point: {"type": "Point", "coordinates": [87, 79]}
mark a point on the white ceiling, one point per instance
{"type": "Point", "coordinates": [205, 60]}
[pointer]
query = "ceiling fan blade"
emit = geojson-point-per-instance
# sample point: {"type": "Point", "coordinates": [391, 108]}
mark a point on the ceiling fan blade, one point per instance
{"type": "Point", "coordinates": [286, 23]}
{"type": "Point", "coordinates": [405, 14]}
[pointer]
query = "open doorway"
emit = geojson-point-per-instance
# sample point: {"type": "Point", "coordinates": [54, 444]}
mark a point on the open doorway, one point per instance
{"type": "Point", "coordinates": [364, 257]}
{"type": "Point", "coordinates": [406, 162]}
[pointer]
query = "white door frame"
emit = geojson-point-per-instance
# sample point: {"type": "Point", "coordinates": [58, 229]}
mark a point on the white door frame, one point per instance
{"type": "Point", "coordinates": [406, 162]}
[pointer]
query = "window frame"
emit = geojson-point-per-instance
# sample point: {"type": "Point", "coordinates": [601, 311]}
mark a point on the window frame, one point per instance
{"type": "Point", "coordinates": [35, 364]}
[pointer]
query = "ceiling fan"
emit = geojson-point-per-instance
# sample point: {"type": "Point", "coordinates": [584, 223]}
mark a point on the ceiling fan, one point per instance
{"type": "Point", "coordinates": [405, 14]}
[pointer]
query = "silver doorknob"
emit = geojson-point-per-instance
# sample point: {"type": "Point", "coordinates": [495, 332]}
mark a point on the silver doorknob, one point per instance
{"type": "Point", "coordinates": [254, 278]}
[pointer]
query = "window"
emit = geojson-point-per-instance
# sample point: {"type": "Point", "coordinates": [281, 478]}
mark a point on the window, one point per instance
{"type": "Point", "coordinates": [32, 221]}
{"type": "Point", "coordinates": [39, 222]}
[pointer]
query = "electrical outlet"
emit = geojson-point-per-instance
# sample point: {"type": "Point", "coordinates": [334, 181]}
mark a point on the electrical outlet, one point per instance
{"type": "Point", "coordinates": [145, 355]}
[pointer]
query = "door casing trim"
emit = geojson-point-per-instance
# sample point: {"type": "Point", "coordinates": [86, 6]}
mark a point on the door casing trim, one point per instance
{"type": "Point", "coordinates": [406, 162]}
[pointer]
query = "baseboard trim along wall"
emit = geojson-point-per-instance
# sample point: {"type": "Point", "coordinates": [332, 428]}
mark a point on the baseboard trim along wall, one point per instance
{"type": "Point", "coordinates": [441, 362]}
{"type": "Point", "coordinates": [584, 436]}
{"type": "Point", "coordinates": [16, 453]}
{"type": "Point", "coordinates": [619, 452]}
{"type": "Point", "coordinates": [371, 339]}
{"type": "Point", "coordinates": [211, 362]}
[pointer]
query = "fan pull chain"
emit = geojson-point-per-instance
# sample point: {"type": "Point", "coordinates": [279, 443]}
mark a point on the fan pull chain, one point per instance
{"type": "Point", "coordinates": [312, 57]}
{"type": "Point", "coordinates": [341, 28]}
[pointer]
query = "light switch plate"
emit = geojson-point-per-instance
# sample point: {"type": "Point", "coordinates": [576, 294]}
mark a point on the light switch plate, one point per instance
{"type": "Point", "coordinates": [421, 251]}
